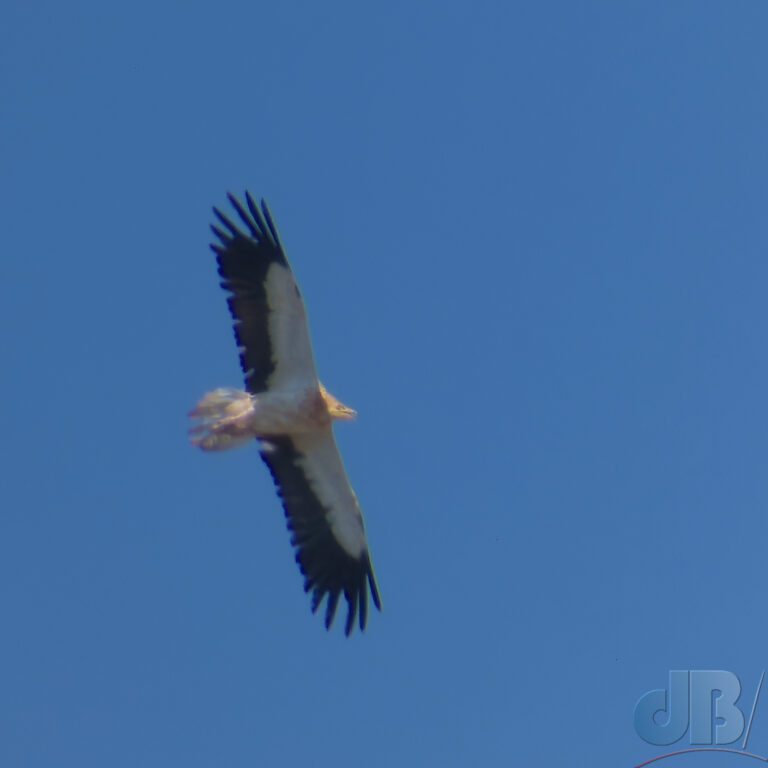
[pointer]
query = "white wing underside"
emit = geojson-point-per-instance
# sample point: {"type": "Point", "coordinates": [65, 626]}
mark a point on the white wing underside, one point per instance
{"type": "Point", "coordinates": [289, 334]}
{"type": "Point", "coordinates": [321, 463]}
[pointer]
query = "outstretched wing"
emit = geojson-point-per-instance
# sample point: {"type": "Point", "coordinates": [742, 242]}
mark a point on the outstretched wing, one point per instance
{"type": "Point", "coordinates": [325, 520]}
{"type": "Point", "coordinates": [269, 318]}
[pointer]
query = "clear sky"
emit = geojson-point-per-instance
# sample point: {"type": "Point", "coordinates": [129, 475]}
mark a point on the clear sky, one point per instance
{"type": "Point", "coordinates": [533, 244]}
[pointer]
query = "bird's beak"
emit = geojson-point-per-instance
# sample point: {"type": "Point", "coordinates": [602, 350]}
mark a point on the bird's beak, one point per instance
{"type": "Point", "coordinates": [344, 412]}
{"type": "Point", "coordinates": [336, 408]}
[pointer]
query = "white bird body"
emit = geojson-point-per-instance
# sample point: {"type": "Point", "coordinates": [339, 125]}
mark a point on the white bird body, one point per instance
{"type": "Point", "coordinates": [228, 413]}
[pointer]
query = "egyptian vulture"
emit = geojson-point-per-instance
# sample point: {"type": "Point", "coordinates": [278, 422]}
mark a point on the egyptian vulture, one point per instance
{"type": "Point", "coordinates": [289, 412]}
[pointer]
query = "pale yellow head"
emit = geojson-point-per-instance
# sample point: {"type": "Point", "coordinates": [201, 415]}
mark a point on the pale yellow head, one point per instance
{"type": "Point", "coordinates": [336, 409]}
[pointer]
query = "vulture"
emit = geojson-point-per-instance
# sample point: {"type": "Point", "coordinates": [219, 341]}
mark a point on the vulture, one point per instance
{"type": "Point", "coordinates": [290, 414]}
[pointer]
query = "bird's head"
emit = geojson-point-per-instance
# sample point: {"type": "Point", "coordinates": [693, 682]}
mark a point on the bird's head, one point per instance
{"type": "Point", "coordinates": [336, 409]}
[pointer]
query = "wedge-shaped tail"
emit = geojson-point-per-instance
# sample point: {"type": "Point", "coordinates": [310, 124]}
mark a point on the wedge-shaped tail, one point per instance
{"type": "Point", "coordinates": [225, 420]}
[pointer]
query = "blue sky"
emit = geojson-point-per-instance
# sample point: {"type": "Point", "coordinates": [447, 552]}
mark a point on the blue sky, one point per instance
{"type": "Point", "coordinates": [532, 242]}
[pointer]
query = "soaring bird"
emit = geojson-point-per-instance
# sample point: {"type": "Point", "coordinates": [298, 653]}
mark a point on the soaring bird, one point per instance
{"type": "Point", "coordinates": [289, 412]}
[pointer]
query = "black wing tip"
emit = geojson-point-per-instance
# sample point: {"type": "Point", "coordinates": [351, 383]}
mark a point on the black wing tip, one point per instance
{"type": "Point", "coordinates": [355, 594]}
{"type": "Point", "coordinates": [270, 223]}
{"type": "Point", "coordinates": [257, 219]}
{"type": "Point", "coordinates": [373, 586]}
